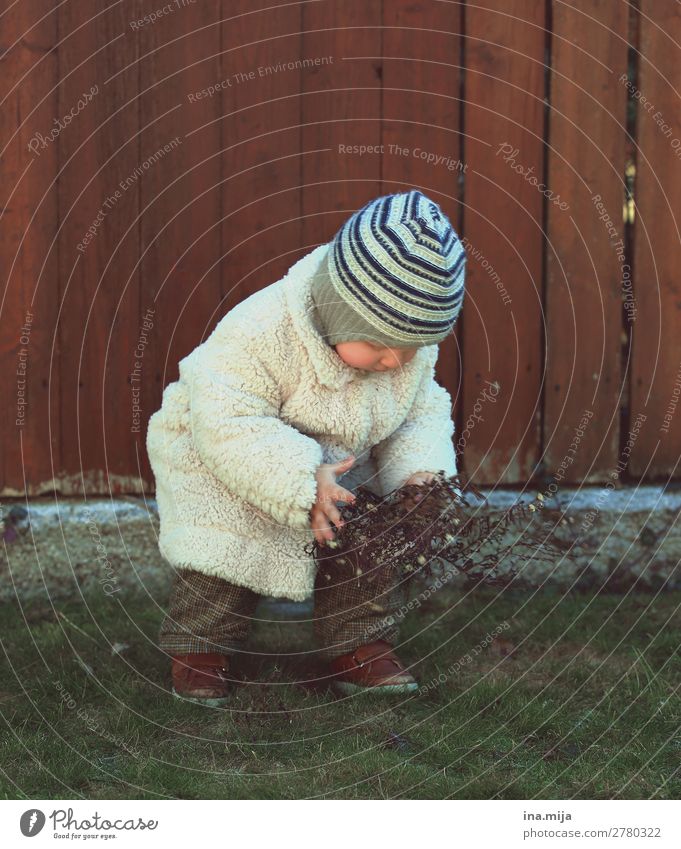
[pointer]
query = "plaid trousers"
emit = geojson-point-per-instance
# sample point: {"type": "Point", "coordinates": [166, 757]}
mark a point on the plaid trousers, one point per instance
{"type": "Point", "coordinates": [209, 614]}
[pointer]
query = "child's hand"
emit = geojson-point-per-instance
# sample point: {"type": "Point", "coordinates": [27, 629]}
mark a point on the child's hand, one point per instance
{"type": "Point", "coordinates": [420, 478]}
{"type": "Point", "coordinates": [328, 492]}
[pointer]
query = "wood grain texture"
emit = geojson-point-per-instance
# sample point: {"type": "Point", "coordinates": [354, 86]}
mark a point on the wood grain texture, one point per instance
{"type": "Point", "coordinates": [341, 110]}
{"type": "Point", "coordinates": [261, 146]}
{"type": "Point", "coordinates": [656, 366]}
{"type": "Point", "coordinates": [422, 143]}
{"type": "Point", "coordinates": [180, 198]}
{"type": "Point", "coordinates": [98, 247]}
{"type": "Point", "coordinates": [585, 253]}
{"type": "Point", "coordinates": [29, 379]}
{"type": "Point", "coordinates": [220, 147]}
{"type": "Point", "coordinates": [503, 227]}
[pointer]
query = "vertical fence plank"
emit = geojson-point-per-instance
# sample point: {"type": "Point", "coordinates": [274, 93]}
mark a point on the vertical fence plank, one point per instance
{"type": "Point", "coordinates": [584, 388]}
{"type": "Point", "coordinates": [180, 200]}
{"type": "Point", "coordinates": [341, 115]}
{"type": "Point", "coordinates": [261, 144]}
{"type": "Point", "coordinates": [29, 415]}
{"type": "Point", "coordinates": [421, 140]}
{"type": "Point", "coordinates": [503, 227]}
{"type": "Point", "coordinates": [98, 245]}
{"type": "Point", "coordinates": [656, 369]}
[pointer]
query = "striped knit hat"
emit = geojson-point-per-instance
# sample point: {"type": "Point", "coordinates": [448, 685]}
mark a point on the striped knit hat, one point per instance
{"type": "Point", "coordinates": [394, 275]}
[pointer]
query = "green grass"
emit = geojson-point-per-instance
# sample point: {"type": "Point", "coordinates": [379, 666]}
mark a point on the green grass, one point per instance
{"type": "Point", "coordinates": [577, 698]}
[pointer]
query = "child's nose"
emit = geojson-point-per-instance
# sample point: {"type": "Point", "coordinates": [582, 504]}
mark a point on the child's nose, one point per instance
{"type": "Point", "coordinates": [401, 357]}
{"type": "Point", "coordinates": [394, 360]}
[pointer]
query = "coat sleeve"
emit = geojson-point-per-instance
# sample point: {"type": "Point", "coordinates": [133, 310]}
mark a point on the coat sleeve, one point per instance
{"type": "Point", "coordinates": [234, 416]}
{"type": "Point", "coordinates": [423, 442]}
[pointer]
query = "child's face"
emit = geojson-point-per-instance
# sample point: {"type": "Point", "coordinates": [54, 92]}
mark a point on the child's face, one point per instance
{"type": "Point", "coordinates": [373, 357]}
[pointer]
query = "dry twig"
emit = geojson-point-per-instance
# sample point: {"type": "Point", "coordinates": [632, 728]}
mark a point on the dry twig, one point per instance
{"type": "Point", "coordinates": [408, 531]}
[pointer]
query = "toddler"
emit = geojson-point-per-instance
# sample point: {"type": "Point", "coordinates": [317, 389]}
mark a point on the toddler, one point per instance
{"type": "Point", "coordinates": [316, 384]}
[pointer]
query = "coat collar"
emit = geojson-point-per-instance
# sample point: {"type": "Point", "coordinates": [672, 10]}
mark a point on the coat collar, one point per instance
{"type": "Point", "coordinates": [328, 366]}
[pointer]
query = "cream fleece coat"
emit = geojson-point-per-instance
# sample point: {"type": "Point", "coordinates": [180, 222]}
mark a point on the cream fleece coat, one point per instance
{"type": "Point", "coordinates": [257, 407]}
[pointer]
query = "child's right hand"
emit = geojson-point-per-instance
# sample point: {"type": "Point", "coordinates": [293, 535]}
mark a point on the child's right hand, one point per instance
{"type": "Point", "coordinates": [324, 510]}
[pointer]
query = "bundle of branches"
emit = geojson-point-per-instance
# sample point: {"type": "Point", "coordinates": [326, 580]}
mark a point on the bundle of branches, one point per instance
{"type": "Point", "coordinates": [409, 531]}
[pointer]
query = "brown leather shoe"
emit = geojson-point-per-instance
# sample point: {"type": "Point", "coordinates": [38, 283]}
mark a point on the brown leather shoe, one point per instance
{"type": "Point", "coordinates": [374, 668]}
{"type": "Point", "coordinates": [201, 678]}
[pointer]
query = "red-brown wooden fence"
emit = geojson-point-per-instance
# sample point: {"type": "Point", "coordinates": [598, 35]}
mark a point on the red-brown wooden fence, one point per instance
{"type": "Point", "coordinates": [162, 162]}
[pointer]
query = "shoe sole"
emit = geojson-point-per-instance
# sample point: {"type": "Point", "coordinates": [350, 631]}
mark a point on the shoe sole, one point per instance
{"type": "Point", "coordinates": [348, 689]}
{"type": "Point", "coordinates": [209, 702]}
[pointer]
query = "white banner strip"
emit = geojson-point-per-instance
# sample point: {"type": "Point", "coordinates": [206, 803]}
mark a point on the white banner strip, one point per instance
{"type": "Point", "coordinates": [342, 824]}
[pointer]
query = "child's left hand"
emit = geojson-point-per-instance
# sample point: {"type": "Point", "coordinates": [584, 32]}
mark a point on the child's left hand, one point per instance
{"type": "Point", "coordinates": [420, 478]}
